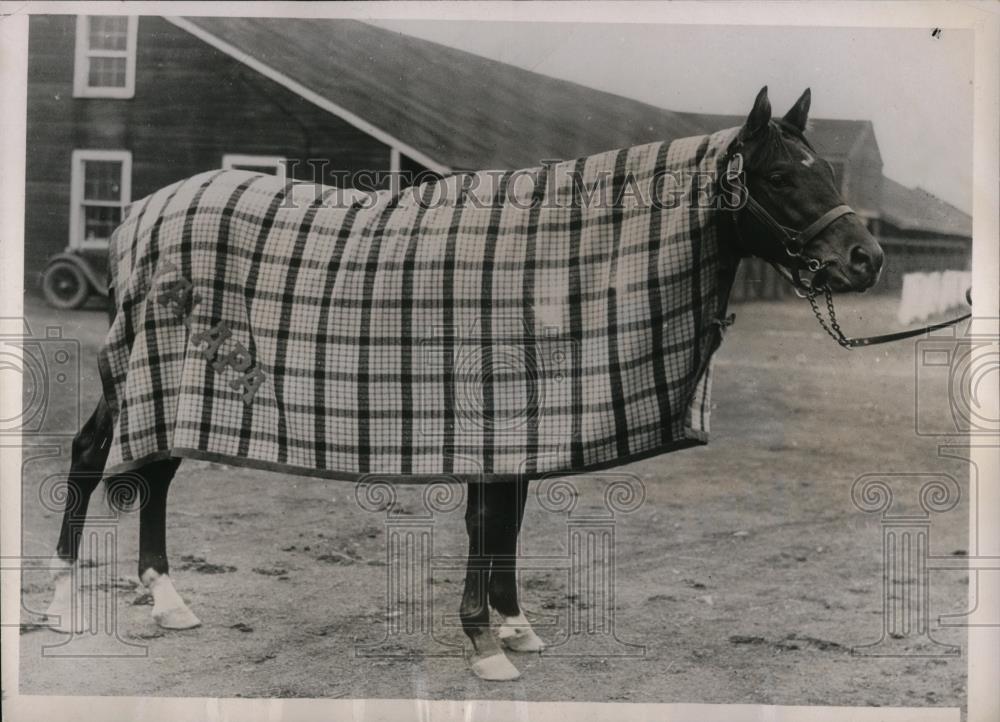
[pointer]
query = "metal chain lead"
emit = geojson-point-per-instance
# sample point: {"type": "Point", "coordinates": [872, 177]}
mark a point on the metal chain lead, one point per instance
{"type": "Point", "coordinates": [833, 319]}
{"type": "Point", "coordinates": [835, 333]}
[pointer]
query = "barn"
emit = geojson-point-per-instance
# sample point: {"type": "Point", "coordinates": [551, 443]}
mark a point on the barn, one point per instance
{"type": "Point", "coordinates": [119, 106]}
{"type": "Point", "coordinates": [920, 232]}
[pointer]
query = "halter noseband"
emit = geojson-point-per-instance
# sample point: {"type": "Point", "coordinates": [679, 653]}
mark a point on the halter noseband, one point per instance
{"type": "Point", "coordinates": [792, 240]}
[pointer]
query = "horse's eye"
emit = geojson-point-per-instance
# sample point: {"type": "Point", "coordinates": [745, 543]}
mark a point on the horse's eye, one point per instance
{"type": "Point", "coordinates": [777, 179]}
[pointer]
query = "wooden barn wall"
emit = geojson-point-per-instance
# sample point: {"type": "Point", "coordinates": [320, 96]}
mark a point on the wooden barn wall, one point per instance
{"type": "Point", "coordinates": [757, 281]}
{"type": "Point", "coordinates": [192, 105]}
{"type": "Point", "coordinates": [921, 253]}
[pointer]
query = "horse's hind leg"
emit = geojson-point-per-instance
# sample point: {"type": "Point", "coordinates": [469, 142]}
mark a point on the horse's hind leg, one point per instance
{"type": "Point", "coordinates": [90, 452]}
{"type": "Point", "coordinates": [505, 507]}
{"type": "Point", "coordinates": [482, 650]}
{"type": "Point", "coordinates": [169, 610]}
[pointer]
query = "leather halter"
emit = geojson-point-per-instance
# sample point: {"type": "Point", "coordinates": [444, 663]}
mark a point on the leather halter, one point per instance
{"type": "Point", "coordinates": [793, 241]}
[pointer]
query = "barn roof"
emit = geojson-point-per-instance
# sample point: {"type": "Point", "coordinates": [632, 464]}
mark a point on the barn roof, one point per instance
{"type": "Point", "coordinates": [436, 103]}
{"type": "Point", "coordinates": [914, 209]}
{"type": "Point", "coordinates": [453, 110]}
{"type": "Point", "coordinates": [375, 73]}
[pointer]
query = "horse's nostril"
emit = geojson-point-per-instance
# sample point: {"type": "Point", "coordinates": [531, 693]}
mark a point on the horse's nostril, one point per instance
{"type": "Point", "coordinates": [865, 260]}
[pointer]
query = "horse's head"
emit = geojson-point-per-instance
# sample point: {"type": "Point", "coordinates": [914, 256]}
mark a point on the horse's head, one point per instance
{"type": "Point", "coordinates": [794, 215]}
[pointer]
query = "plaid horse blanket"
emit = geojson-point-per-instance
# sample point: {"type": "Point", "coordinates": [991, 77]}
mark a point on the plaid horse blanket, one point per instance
{"type": "Point", "coordinates": [484, 325]}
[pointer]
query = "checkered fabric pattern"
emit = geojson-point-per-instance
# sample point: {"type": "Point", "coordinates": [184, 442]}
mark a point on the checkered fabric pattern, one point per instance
{"type": "Point", "coordinates": [488, 325]}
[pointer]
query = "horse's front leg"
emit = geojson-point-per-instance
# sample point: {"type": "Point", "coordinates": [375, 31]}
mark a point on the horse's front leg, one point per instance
{"type": "Point", "coordinates": [89, 453]}
{"type": "Point", "coordinates": [482, 650]}
{"type": "Point", "coordinates": [505, 512]}
{"type": "Point", "coordinates": [169, 610]}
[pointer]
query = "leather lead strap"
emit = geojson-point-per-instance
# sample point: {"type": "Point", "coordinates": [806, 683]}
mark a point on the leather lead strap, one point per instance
{"type": "Point", "coordinates": [835, 332]}
{"type": "Point", "coordinates": [900, 335]}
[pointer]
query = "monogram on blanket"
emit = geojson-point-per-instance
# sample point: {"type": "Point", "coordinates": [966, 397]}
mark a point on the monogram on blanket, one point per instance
{"type": "Point", "coordinates": [281, 325]}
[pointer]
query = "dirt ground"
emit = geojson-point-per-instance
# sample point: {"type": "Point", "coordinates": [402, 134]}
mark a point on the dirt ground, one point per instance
{"type": "Point", "coordinates": [747, 574]}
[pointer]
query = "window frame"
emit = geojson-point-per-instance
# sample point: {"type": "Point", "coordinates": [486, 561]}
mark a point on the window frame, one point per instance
{"type": "Point", "coordinates": [83, 54]}
{"type": "Point", "coordinates": [280, 163]}
{"type": "Point", "coordinates": [77, 201]}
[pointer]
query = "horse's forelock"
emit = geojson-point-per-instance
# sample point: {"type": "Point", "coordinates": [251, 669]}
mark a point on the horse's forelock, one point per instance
{"type": "Point", "coordinates": [787, 129]}
{"type": "Point", "coordinates": [775, 142]}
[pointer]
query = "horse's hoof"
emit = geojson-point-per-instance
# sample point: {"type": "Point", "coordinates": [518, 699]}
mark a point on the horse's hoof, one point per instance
{"type": "Point", "coordinates": [176, 618]}
{"type": "Point", "coordinates": [518, 639]}
{"type": "Point", "coordinates": [495, 668]}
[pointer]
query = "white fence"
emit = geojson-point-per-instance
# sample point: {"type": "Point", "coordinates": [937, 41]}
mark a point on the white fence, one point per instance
{"type": "Point", "coordinates": [930, 294]}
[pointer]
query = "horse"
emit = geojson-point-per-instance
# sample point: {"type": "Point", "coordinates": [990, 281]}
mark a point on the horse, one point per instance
{"type": "Point", "coordinates": [786, 209]}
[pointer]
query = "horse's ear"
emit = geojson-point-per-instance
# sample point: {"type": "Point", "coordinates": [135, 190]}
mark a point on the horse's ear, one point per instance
{"type": "Point", "coordinates": [759, 117]}
{"type": "Point", "coordinates": [799, 113]}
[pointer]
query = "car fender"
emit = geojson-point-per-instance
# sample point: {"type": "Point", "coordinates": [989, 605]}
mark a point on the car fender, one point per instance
{"type": "Point", "coordinates": [98, 284]}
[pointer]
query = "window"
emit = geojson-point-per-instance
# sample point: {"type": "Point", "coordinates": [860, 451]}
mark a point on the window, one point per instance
{"type": "Point", "coordinates": [100, 188]}
{"type": "Point", "coordinates": [270, 164]}
{"type": "Point", "coordinates": [105, 56]}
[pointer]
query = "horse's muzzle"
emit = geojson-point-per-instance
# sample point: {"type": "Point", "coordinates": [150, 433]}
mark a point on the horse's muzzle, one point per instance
{"type": "Point", "coordinates": [860, 273]}
{"type": "Point", "coordinates": [865, 263]}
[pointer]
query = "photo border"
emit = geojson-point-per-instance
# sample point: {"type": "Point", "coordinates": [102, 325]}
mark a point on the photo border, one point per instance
{"type": "Point", "coordinates": [983, 643]}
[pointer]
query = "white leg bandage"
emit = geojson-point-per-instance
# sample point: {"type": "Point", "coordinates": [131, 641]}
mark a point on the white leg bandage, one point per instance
{"type": "Point", "coordinates": [169, 610]}
{"type": "Point", "coordinates": [65, 613]}
{"type": "Point", "coordinates": [516, 634]}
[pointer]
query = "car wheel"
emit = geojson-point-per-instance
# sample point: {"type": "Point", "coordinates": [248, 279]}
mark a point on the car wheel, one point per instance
{"type": "Point", "coordinates": [65, 286]}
